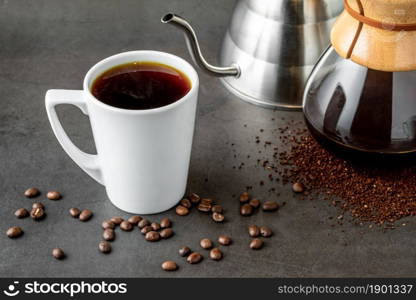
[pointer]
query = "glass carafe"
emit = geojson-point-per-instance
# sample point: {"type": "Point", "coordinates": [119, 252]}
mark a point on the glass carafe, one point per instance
{"type": "Point", "coordinates": [357, 108]}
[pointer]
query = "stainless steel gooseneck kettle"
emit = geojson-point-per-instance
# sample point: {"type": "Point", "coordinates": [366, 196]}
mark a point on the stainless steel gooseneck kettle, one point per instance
{"type": "Point", "coordinates": [269, 49]}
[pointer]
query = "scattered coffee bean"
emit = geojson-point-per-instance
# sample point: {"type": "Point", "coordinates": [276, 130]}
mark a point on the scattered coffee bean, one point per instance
{"type": "Point", "coordinates": [126, 226]}
{"type": "Point", "coordinates": [21, 213]}
{"type": "Point", "coordinates": [58, 253]}
{"type": "Point", "coordinates": [117, 220]}
{"type": "Point", "coordinates": [107, 224]}
{"type": "Point", "coordinates": [207, 201]}
{"type": "Point", "coordinates": [215, 254]}
{"type": "Point", "coordinates": [186, 203]}
{"type": "Point", "coordinates": [244, 197]}
{"type": "Point", "coordinates": [32, 192]}
{"type": "Point", "coordinates": [217, 209]}
{"type": "Point", "coordinates": [194, 258]}
{"type": "Point", "coordinates": [85, 215]}
{"type": "Point", "coordinates": [143, 223]}
{"type": "Point", "coordinates": [182, 210]}
{"type": "Point", "coordinates": [253, 230]}
{"type": "Point", "coordinates": [53, 195]}
{"type": "Point", "coordinates": [152, 236]}
{"type": "Point", "coordinates": [14, 232]}
{"type": "Point", "coordinates": [224, 240]}
{"type": "Point", "coordinates": [104, 247]}
{"type": "Point", "coordinates": [270, 206]}
{"type": "Point", "coordinates": [246, 210]}
{"type": "Point", "coordinates": [169, 266]}
{"type": "Point", "coordinates": [254, 202]}
{"type": "Point", "coordinates": [146, 229]}
{"type": "Point", "coordinates": [256, 244]}
{"type": "Point", "coordinates": [217, 217]}
{"type": "Point", "coordinates": [37, 213]}
{"type": "Point", "coordinates": [165, 223]}
{"type": "Point", "coordinates": [204, 207]}
{"type": "Point", "coordinates": [265, 231]}
{"type": "Point", "coordinates": [194, 198]}
{"type": "Point", "coordinates": [206, 243]}
{"type": "Point", "coordinates": [166, 233]}
{"type": "Point", "coordinates": [155, 226]}
{"type": "Point", "coordinates": [134, 220]}
{"type": "Point", "coordinates": [184, 251]}
{"type": "Point", "coordinates": [298, 187]}
{"type": "Point", "coordinates": [109, 234]}
{"type": "Point", "coordinates": [74, 212]}
{"type": "Point", "coordinates": [38, 204]}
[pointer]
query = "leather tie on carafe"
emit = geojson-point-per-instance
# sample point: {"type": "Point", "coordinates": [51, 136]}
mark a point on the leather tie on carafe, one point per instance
{"type": "Point", "coordinates": [362, 19]}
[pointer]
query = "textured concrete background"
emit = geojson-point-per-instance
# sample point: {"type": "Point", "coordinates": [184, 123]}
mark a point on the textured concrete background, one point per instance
{"type": "Point", "coordinates": [51, 44]}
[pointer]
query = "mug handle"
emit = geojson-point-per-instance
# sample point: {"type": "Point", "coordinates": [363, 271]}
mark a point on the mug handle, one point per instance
{"type": "Point", "coordinates": [88, 162]}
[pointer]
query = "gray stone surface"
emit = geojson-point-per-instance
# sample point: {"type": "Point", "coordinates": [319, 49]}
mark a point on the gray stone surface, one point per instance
{"type": "Point", "coordinates": [51, 44]}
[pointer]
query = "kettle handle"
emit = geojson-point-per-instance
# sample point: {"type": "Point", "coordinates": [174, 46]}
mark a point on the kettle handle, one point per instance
{"type": "Point", "coordinates": [195, 50]}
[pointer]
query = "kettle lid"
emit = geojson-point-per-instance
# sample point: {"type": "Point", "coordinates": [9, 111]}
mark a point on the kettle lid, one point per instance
{"type": "Point", "coordinates": [378, 34]}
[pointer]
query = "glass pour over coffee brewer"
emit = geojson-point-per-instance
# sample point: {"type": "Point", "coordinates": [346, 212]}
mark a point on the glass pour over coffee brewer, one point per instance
{"type": "Point", "coordinates": [361, 95]}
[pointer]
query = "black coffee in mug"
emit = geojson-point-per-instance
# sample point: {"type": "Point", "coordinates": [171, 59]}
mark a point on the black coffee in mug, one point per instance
{"type": "Point", "coordinates": [140, 85]}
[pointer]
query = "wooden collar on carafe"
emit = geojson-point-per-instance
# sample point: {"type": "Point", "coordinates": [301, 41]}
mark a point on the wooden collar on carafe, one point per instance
{"type": "Point", "coordinates": [360, 17]}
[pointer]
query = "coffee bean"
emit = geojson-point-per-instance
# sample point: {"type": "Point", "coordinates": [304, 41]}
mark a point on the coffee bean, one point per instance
{"type": "Point", "coordinates": [21, 213]}
{"type": "Point", "coordinates": [217, 209]}
{"type": "Point", "coordinates": [58, 253]}
{"type": "Point", "coordinates": [206, 243]}
{"type": "Point", "coordinates": [155, 226]}
{"type": "Point", "coordinates": [165, 223]}
{"type": "Point", "coordinates": [32, 192]}
{"type": "Point", "coordinates": [244, 197]}
{"type": "Point", "coordinates": [194, 258]}
{"type": "Point", "coordinates": [265, 231]}
{"type": "Point", "coordinates": [256, 244]}
{"type": "Point", "coordinates": [254, 202]}
{"type": "Point", "coordinates": [204, 207]}
{"type": "Point", "coordinates": [253, 231]}
{"type": "Point", "coordinates": [169, 266]}
{"type": "Point", "coordinates": [215, 254]}
{"type": "Point", "coordinates": [194, 198]}
{"type": "Point", "coordinates": [166, 233]}
{"type": "Point", "coordinates": [246, 210]}
{"type": "Point", "coordinates": [38, 204]}
{"type": "Point", "coordinates": [184, 251]}
{"type": "Point", "coordinates": [107, 224]}
{"type": "Point", "coordinates": [186, 203]}
{"type": "Point", "coordinates": [224, 240]}
{"type": "Point", "coordinates": [37, 213]}
{"type": "Point", "coordinates": [109, 234]}
{"type": "Point", "coordinates": [217, 217]}
{"type": "Point", "coordinates": [126, 226]}
{"type": "Point", "coordinates": [146, 229]}
{"type": "Point", "coordinates": [298, 187]}
{"type": "Point", "coordinates": [117, 220]}
{"type": "Point", "coordinates": [74, 212]}
{"type": "Point", "coordinates": [134, 220]}
{"type": "Point", "coordinates": [207, 201]}
{"type": "Point", "coordinates": [152, 236]}
{"type": "Point", "coordinates": [104, 247]}
{"type": "Point", "coordinates": [143, 223]}
{"type": "Point", "coordinates": [182, 210]}
{"type": "Point", "coordinates": [14, 232]}
{"type": "Point", "coordinates": [270, 206]}
{"type": "Point", "coordinates": [85, 215]}
{"type": "Point", "coordinates": [53, 195]}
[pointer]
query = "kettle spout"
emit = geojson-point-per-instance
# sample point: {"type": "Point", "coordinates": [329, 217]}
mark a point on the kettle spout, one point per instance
{"type": "Point", "coordinates": [195, 50]}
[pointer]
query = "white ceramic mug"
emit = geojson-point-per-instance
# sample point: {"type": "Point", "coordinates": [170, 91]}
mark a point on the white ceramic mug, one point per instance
{"type": "Point", "coordinates": [142, 155]}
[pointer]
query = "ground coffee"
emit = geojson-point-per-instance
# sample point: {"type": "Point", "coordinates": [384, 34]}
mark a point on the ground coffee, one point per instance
{"type": "Point", "coordinates": [376, 193]}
